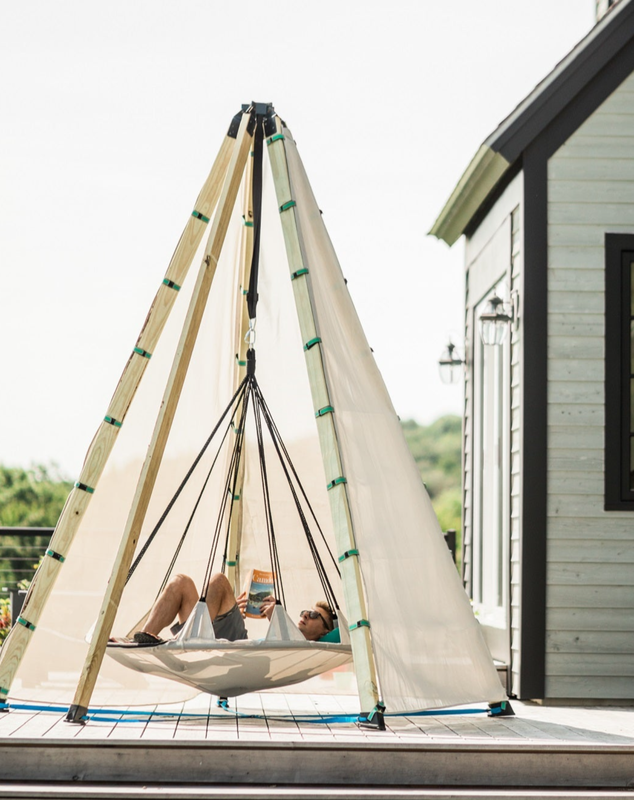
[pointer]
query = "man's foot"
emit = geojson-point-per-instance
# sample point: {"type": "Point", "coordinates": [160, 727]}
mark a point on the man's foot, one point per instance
{"type": "Point", "coordinates": [143, 637]}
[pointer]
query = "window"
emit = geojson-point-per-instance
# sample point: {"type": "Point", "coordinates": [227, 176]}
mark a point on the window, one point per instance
{"type": "Point", "coordinates": [619, 372]}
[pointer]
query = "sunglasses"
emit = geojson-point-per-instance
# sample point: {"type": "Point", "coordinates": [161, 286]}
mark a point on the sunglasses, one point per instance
{"type": "Point", "coordinates": [314, 615]}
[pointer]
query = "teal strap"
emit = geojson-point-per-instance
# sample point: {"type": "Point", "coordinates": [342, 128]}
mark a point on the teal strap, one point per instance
{"type": "Point", "coordinates": [275, 138]}
{"type": "Point", "coordinates": [324, 410]}
{"type": "Point", "coordinates": [240, 363]}
{"type": "Point", "coordinates": [84, 487]}
{"type": "Point", "coordinates": [288, 205]}
{"type": "Point", "coordinates": [312, 343]}
{"type": "Point", "coordinates": [347, 554]}
{"type": "Point", "coordinates": [4, 691]}
{"type": "Point", "coordinates": [334, 482]}
{"type": "Point", "coordinates": [231, 563]}
{"type": "Point", "coordinates": [113, 421]}
{"type": "Point", "coordinates": [379, 708]}
{"type": "Point", "coordinates": [362, 623]}
{"type": "Point", "coordinates": [56, 556]}
{"type": "Point", "coordinates": [28, 625]}
{"type": "Point", "coordinates": [299, 272]}
{"type": "Point", "coordinates": [234, 496]}
{"type": "Point", "coordinates": [248, 224]}
{"type": "Point", "coordinates": [201, 217]}
{"type": "Point", "coordinates": [141, 352]}
{"type": "Point", "coordinates": [171, 285]}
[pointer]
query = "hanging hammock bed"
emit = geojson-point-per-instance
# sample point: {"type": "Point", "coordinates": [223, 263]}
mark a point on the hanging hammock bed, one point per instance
{"type": "Point", "coordinates": [283, 657]}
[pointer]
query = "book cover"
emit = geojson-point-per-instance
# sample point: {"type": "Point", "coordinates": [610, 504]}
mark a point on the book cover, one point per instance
{"type": "Point", "coordinates": [260, 586]}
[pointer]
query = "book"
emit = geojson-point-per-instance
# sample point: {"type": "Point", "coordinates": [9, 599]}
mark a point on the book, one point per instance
{"type": "Point", "coordinates": [260, 586]}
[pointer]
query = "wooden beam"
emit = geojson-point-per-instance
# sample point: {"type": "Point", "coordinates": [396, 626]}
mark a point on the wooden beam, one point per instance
{"type": "Point", "coordinates": [339, 507]}
{"type": "Point", "coordinates": [163, 425]}
{"type": "Point", "coordinates": [232, 566]}
{"type": "Point", "coordinates": [99, 450]}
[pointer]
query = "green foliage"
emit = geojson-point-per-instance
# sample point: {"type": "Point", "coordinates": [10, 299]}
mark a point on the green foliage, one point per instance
{"type": "Point", "coordinates": [5, 618]}
{"type": "Point", "coordinates": [30, 498]}
{"type": "Point", "coordinates": [437, 450]}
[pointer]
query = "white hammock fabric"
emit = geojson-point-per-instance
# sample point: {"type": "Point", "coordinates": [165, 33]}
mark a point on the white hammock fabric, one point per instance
{"type": "Point", "coordinates": [228, 669]}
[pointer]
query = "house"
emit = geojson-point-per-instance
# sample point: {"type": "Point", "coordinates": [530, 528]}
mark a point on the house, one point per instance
{"type": "Point", "coordinates": [547, 211]}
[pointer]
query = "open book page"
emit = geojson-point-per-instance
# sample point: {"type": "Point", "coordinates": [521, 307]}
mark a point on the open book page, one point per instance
{"type": "Point", "coordinates": [259, 587]}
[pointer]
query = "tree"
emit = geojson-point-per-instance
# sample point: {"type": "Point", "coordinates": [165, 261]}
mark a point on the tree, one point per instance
{"type": "Point", "coordinates": [437, 450]}
{"type": "Point", "coordinates": [30, 498]}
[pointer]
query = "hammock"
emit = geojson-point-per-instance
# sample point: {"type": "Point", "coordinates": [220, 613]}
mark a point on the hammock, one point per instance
{"type": "Point", "coordinates": [228, 669]}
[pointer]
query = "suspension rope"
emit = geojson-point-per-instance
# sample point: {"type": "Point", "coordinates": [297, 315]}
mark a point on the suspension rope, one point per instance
{"type": "Point", "coordinates": [321, 571]}
{"type": "Point", "coordinates": [240, 390]}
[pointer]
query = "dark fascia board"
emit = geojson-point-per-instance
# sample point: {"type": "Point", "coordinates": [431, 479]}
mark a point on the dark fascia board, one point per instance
{"type": "Point", "coordinates": [549, 99]}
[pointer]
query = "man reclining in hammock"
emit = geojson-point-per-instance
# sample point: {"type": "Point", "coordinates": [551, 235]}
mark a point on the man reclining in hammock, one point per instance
{"type": "Point", "coordinates": [227, 612]}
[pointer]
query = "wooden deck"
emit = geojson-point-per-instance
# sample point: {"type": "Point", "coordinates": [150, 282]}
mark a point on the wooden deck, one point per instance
{"type": "Point", "coordinates": [540, 746]}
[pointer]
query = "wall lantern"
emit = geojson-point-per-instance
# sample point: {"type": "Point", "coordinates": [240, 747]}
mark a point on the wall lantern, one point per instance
{"type": "Point", "coordinates": [450, 364]}
{"type": "Point", "coordinates": [496, 317]}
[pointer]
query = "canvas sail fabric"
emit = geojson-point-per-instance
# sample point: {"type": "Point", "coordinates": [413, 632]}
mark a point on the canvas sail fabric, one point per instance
{"type": "Point", "coordinates": [53, 663]}
{"type": "Point", "coordinates": [428, 646]}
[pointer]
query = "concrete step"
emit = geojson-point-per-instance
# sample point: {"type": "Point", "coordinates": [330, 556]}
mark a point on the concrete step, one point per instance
{"type": "Point", "coordinates": [245, 764]}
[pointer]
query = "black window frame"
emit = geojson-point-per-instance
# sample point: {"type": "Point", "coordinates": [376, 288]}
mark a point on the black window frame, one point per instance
{"type": "Point", "coordinates": [619, 255]}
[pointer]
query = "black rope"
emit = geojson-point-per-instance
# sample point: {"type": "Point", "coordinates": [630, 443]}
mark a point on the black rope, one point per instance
{"type": "Point", "coordinates": [279, 444]}
{"type": "Point", "coordinates": [276, 436]}
{"type": "Point", "coordinates": [226, 494]}
{"type": "Point", "coordinates": [170, 505]}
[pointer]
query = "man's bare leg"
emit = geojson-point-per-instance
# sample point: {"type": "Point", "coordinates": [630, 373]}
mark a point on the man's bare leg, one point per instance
{"type": "Point", "coordinates": [180, 596]}
{"type": "Point", "coordinates": [177, 599]}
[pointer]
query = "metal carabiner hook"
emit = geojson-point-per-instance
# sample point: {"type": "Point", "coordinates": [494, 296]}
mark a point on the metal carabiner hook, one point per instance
{"type": "Point", "coordinates": [249, 337]}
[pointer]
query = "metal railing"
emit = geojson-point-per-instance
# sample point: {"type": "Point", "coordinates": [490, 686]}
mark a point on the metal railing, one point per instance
{"type": "Point", "coordinates": [20, 552]}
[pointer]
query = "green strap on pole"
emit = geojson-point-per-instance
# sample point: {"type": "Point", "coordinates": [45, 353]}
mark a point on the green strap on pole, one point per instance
{"type": "Point", "coordinates": [362, 623]}
{"type": "Point", "coordinates": [312, 343]}
{"type": "Point", "coordinates": [299, 272]}
{"type": "Point", "coordinates": [56, 556]}
{"type": "Point", "coordinates": [4, 691]}
{"type": "Point", "coordinates": [334, 482]}
{"type": "Point", "coordinates": [325, 410]}
{"type": "Point", "coordinates": [201, 217]}
{"type": "Point", "coordinates": [288, 205]}
{"type": "Point", "coordinates": [28, 625]}
{"type": "Point", "coordinates": [141, 352]}
{"type": "Point", "coordinates": [84, 487]}
{"type": "Point", "coordinates": [277, 136]}
{"type": "Point", "coordinates": [246, 222]}
{"type": "Point", "coordinates": [113, 421]}
{"type": "Point", "coordinates": [347, 554]}
{"type": "Point", "coordinates": [240, 363]}
{"type": "Point", "coordinates": [171, 285]}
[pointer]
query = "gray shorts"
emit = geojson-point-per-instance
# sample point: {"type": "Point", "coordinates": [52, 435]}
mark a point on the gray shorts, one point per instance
{"type": "Point", "coordinates": [226, 626]}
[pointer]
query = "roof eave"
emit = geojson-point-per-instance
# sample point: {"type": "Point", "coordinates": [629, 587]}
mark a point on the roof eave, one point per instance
{"type": "Point", "coordinates": [479, 179]}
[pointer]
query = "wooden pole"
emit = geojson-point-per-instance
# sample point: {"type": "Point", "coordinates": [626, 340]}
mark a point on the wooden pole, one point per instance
{"type": "Point", "coordinates": [360, 638]}
{"type": "Point", "coordinates": [232, 564]}
{"type": "Point", "coordinates": [72, 514]}
{"type": "Point", "coordinates": [163, 425]}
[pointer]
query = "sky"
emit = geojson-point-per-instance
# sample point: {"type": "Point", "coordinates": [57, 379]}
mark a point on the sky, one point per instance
{"type": "Point", "coordinates": [112, 114]}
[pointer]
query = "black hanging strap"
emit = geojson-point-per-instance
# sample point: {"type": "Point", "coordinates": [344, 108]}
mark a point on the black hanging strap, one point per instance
{"type": "Point", "coordinates": [252, 294]}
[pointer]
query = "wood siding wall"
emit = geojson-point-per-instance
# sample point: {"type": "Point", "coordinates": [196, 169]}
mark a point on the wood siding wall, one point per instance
{"type": "Point", "coordinates": [590, 575]}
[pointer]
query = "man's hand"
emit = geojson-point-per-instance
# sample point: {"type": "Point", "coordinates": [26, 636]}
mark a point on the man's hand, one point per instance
{"type": "Point", "coordinates": [266, 609]}
{"type": "Point", "coordinates": [241, 600]}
